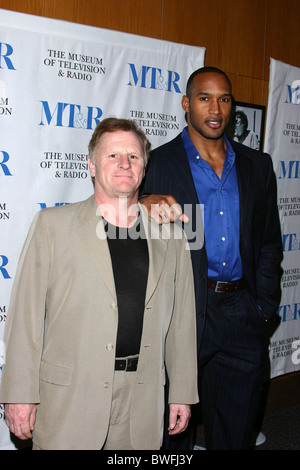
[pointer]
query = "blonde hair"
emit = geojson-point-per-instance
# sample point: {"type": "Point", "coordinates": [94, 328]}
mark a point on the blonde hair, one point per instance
{"type": "Point", "coordinates": [113, 124]}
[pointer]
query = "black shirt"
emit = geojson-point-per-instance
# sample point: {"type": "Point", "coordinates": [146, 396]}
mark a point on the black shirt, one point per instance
{"type": "Point", "coordinates": [130, 262]}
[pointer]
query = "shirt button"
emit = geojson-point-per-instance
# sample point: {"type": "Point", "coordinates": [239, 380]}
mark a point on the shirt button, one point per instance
{"type": "Point", "coordinates": [109, 347]}
{"type": "Point", "coordinates": [221, 212]}
{"type": "Point", "coordinates": [223, 239]}
{"type": "Point", "coordinates": [113, 305]}
{"type": "Point", "coordinates": [224, 264]}
{"type": "Point", "coordinates": [106, 385]}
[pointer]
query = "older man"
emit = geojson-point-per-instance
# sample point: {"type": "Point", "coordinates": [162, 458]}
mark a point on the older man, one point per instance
{"type": "Point", "coordinates": [103, 299]}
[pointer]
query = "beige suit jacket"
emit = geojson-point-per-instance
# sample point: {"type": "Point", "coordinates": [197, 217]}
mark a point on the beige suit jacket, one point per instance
{"type": "Point", "coordinates": [61, 330]}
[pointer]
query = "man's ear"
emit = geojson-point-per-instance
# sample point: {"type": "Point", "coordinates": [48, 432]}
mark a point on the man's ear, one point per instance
{"type": "Point", "coordinates": [91, 167]}
{"type": "Point", "coordinates": [185, 103]}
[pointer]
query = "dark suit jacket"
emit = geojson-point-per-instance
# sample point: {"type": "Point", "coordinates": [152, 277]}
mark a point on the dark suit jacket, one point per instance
{"type": "Point", "coordinates": [260, 236]}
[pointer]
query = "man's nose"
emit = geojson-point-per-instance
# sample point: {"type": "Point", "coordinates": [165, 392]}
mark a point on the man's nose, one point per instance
{"type": "Point", "coordinates": [215, 107]}
{"type": "Point", "coordinates": [124, 161]}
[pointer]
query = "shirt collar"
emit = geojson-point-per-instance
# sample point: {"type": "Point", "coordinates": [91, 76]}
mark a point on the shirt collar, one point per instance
{"type": "Point", "coordinates": [193, 154]}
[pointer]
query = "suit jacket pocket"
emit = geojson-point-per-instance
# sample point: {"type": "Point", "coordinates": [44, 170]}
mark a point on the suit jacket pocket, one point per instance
{"type": "Point", "coordinates": [55, 374]}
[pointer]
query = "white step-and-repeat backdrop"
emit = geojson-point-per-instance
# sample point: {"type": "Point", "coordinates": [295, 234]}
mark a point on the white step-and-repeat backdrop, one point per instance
{"type": "Point", "coordinates": [57, 81]}
{"type": "Point", "coordinates": [282, 142]}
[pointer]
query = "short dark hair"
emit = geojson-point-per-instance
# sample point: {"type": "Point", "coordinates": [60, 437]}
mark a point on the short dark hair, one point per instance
{"type": "Point", "coordinates": [207, 69]}
{"type": "Point", "coordinates": [113, 124]}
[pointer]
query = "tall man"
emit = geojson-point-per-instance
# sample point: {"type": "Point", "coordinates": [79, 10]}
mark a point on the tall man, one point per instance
{"type": "Point", "coordinates": [103, 300]}
{"type": "Point", "coordinates": [236, 187]}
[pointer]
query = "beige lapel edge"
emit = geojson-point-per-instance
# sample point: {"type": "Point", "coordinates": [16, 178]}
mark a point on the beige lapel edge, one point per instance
{"type": "Point", "coordinates": [157, 249]}
{"type": "Point", "coordinates": [93, 237]}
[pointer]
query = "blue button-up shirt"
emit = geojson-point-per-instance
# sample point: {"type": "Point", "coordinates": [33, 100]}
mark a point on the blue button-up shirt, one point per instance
{"type": "Point", "coordinates": [221, 215]}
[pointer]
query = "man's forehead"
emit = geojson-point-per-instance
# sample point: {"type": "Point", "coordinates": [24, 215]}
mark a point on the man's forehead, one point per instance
{"type": "Point", "coordinates": [119, 139]}
{"type": "Point", "coordinates": [208, 81]}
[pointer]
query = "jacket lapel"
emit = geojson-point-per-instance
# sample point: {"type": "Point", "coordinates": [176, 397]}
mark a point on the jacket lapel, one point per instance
{"type": "Point", "coordinates": [157, 249]}
{"type": "Point", "coordinates": [243, 177]}
{"type": "Point", "coordinates": [180, 168]}
{"type": "Point", "coordinates": [93, 237]}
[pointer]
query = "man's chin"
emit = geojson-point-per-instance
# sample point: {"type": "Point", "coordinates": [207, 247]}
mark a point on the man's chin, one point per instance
{"type": "Point", "coordinates": [214, 135]}
{"type": "Point", "coordinates": [127, 192]}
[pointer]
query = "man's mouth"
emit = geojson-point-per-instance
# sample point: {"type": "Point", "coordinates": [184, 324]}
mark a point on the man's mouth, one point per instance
{"type": "Point", "coordinates": [214, 123]}
{"type": "Point", "coordinates": [123, 175]}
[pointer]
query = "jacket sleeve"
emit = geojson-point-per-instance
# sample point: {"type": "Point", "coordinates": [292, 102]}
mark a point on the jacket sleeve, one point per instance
{"type": "Point", "coordinates": [268, 272]}
{"type": "Point", "coordinates": [23, 335]}
{"type": "Point", "coordinates": [155, 178]}
{"type": "Point", "coordinates": [181, 347]}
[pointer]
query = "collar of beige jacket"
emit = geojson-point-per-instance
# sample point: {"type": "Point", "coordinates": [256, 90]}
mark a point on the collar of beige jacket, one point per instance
{"type": "Point", "coordinates": [93, 236]}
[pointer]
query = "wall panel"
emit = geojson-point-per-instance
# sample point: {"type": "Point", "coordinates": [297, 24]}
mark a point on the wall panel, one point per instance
{"type": "Point", "coordinates": [248, 89]}
{"type": "Point", "coordinates": [240, 36]}
{"type": "Point", "coordinates": [32, 7]}
{"type": "Point", "coordinates": [205, 24]}
{"type": "Point", "coordinates": [233, 32]}
{"type": "Point", "coordinates": [131, 16]}
{"type": "Point", "coordinates": [283, 32]}
{"type": "Point", "coordinates": [250, 19]}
